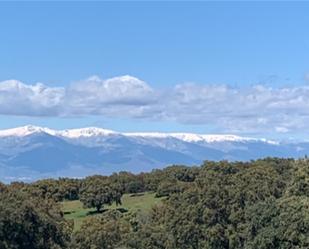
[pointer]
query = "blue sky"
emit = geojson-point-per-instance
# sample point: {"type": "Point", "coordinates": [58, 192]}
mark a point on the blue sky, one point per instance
{"type": "Point", "coordinates": [207, 67]}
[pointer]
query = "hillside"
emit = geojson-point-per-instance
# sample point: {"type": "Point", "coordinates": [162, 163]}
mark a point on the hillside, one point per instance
{"type": "Point", "coordinates": [30, 152]}
{"type": "Point", "coordinates": [220, 205]}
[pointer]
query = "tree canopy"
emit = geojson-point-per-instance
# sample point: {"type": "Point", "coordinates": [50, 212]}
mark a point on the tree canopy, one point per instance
{"type": "Point", "coordinates": [220, 205]}
{"type": "Point", "coordinates": [97, 191]}
{"type": "Point", "coordinates": [30, 222]}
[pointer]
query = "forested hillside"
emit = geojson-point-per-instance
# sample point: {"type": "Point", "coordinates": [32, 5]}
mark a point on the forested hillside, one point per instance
{"type": "Point", "coordinates": [258, 204]}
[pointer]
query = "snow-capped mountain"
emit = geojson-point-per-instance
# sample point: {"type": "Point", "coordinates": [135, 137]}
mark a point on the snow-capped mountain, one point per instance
{"type": "Point", "coordinates": [71, 133]}
{"type": "Point", "coordinates": [31, 152]}
{"type": "Point", "coordinates": [97, 132]}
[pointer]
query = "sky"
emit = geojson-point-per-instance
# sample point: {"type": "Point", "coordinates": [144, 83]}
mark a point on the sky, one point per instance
{"type": "Point", "coordinates": [203, 67]}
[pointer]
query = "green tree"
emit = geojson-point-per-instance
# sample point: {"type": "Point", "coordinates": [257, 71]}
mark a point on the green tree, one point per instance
{"type": "Point", "coordinates": [211, 212]}
{"type": "Point", "coordinates": [97, 191]}
{"type": "Point", "coordinates": [31, 222]}
{"type": "Point", "coordinates": [280, 224]}
{"type": "Point", "coordinates": [101, 232]}
{"type": "Point", "coordinates": [299, 185]}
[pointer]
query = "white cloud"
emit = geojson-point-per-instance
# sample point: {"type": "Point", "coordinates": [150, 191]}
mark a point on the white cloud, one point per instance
{"type": "Point", "coordinates": [124, 95]}
{"type": "Point", "coordinates": [253, 109]}
{"type": "Point", "coordinates": [125, 90]}
{"type": "Point", "coordinates": [245, 109]}
{"type": "Point", "coordinates": [17, 98]}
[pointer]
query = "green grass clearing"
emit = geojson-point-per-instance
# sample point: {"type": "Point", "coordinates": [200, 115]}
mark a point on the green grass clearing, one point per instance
{"type": "Point", "coordinates": [74, 209]}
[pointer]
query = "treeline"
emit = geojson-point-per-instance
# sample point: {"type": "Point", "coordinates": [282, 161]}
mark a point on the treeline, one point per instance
{"type": "Point", "coordinates": [259, 204]}
{"type": "Point", "coordinates": [160, 181]}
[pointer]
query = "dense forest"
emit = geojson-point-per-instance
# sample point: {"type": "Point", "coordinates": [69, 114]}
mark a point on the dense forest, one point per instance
{"type": "Point", "coordinates": [261, 204]}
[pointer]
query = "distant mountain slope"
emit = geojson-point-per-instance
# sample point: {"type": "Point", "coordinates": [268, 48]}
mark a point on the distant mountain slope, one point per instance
{"type": "Point", "coordinates": [30, 152]}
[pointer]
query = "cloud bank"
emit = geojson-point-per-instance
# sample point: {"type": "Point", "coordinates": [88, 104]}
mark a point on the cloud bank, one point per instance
{"type": "Point", "coordinates": [240, 110]}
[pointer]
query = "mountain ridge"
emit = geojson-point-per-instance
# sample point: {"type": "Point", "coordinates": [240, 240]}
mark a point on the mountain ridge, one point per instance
{"type": "Point", "coordinates": [33, 152]}
{"type": "Point", "coordinates": [96, 131]}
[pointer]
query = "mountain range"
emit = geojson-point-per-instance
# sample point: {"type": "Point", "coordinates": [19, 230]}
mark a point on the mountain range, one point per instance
{"type": "Point", "coordinates": [30, 152]}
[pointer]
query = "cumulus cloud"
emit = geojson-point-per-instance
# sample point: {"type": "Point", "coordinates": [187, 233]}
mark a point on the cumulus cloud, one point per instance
{"type": "Point", "coordinates": [17, 98]}
{"type": "Point", "coordinates": [252, 109]}
{"type": "Point", "coordinates": [118, 95]}
{"type": "Point", "coordinates": [244, 109]}
{"type": "Point", "coordinates": [124, 90]}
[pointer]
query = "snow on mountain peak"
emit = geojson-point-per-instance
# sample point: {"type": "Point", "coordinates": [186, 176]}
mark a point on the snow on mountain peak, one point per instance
{"type": "Point", "coordinates": [25, 131]}
{"type": "Point", "coordinates": [189, 137]}
{"type": "Point", "coordinates": [70, 133]}
{"type": "Point", "coordinates": [85, 132]}
{"type": "Point", "coordinates": [96, 132]}
{"type": "Point", "coordinates": [192, 137]}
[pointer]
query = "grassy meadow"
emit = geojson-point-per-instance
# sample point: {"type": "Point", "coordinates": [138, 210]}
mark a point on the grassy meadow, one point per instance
{"type": "Point", "coordinates": [74, 210]}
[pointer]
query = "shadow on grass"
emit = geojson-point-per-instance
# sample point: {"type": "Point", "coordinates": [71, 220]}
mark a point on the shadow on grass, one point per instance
{"type": "Point", "coordinates": [122, 210]}
{"type": "Point", "coordinates": [137, 194]}
{"type": "Point", "coordinates": [94, 212]}
{"type": "Point", "coordinates": [69, 212]}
